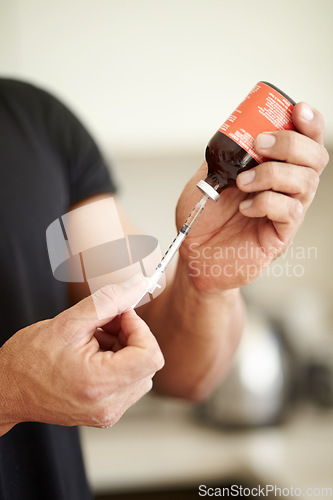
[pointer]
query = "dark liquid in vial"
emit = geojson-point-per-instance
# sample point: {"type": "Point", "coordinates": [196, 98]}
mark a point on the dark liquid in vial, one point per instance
{"type": "Point", "coordinates": [226, 158]}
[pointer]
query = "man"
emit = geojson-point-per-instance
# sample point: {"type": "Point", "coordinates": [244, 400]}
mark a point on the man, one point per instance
{"type": "Point", "coordinates": [77, 369]}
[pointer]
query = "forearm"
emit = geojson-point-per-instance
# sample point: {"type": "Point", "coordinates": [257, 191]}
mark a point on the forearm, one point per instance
{"type": "Point", "coordinates": [9, 399]}
{"type": "Point", "coordinates": [198, 334]}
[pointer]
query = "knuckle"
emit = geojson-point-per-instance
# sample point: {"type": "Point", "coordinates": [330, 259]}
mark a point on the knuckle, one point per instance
{"type": "Point", "coordinates": [324, 158]}
{"type": "Point", "coordinates": [90, 393]}
{"type": "Point", "coordinates": [142, 388]}
{"type": "Point", "coordinates": [149, 386]}
{"type": "Point", "coordinates": [264, 200]}
{"type": "Point", "coordinates": [295, 210]}
{"type": "Point", "coordinates": [155, 359]}
{"type": "Point", "coordinates": [106, 416]}
{"type": "Point", "coordinates": [289, 142]}
{"type": "Point", "coordinates": [158, 360]}
{"type": "Point", "coordinates": [268, 171]}
{"type": "Point", "coordinates": [312, 180]}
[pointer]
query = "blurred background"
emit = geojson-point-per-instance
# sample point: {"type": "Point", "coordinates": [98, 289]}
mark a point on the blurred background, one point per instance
{"type": "Point", "coordinates": [153, 80]}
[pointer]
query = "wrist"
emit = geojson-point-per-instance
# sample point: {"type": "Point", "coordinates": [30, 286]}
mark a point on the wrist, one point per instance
{"type": "Point", "coordinates": [187, 285]}
{"type": "Point", "coordinates": [11, 406]}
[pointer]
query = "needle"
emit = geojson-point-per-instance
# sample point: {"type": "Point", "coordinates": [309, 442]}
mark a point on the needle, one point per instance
{"type": "Point", "coordinates": [170, 253]}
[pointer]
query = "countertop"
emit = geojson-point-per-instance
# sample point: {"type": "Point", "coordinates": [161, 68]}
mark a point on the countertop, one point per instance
{"type": "Point", "coordinates": [159, 444]}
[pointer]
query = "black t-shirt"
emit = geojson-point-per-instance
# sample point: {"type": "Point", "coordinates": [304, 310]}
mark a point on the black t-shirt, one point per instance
{"type": "Point", "coordinates": [47, 162]}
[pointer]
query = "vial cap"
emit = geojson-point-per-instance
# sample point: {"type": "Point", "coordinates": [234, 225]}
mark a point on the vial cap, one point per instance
{"type": "Point", "coordinates": [208, 190]}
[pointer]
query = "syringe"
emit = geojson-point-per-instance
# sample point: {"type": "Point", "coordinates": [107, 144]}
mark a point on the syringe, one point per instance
{"type": "Point", "coordinates": [169, 254]}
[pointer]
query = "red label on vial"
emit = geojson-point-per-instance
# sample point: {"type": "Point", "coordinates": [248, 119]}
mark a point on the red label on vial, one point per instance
{"type": "Point", "coordinates": [263, 110]}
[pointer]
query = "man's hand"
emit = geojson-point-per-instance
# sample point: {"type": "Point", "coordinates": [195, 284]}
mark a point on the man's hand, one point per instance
{"type": "Point", "coordinates": [76, 369]}
{"type": "Point", "coordinates": [236, 238]}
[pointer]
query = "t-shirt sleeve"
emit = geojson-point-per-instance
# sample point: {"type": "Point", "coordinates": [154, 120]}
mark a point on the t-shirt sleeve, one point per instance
{"type": "Point", "coordinates": [87, 172]}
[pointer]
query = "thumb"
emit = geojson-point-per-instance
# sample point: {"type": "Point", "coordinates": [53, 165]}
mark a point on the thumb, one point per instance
{"type": "Point", "coordinates": [106, 303]}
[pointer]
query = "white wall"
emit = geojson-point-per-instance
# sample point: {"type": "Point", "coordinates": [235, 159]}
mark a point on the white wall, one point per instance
{"type": "Point", "coordinates": [163, 74]}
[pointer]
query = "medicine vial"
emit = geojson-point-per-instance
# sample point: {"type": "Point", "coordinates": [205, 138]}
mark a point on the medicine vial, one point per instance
{"type": "Point", "coordinates": [230, 151]}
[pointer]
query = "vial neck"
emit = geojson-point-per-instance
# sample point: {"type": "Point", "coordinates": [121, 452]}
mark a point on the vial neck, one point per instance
{"type": "Point", "coordinates": [212, 187]}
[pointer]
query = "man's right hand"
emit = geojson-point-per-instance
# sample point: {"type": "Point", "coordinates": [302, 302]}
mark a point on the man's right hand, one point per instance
{"type": "Point", "coordinates": [77, 369]}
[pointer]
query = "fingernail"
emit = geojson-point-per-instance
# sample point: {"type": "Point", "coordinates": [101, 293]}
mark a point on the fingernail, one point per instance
{"type": "Point", "coordinates": [246, 177]}
{"type": "Point", "coordinates": [133, 280]}
{"type": "Point", "coordinates": [246, 204]}
{"type": "Point", "coordinates": [266, 140]}
{"type": "Point", "coordinates": [307, 113]}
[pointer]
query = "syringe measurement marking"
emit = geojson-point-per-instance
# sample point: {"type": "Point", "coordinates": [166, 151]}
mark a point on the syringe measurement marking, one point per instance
{"type": "Point", "coordinates": [195, 212]}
